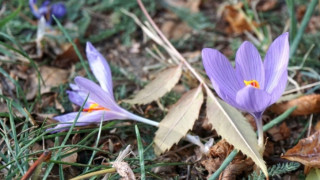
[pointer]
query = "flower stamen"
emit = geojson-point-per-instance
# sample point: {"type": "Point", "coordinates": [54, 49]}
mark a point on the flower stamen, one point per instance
{"type": "Point", "coordinates": [94, 107]}
{"type": "Point", "coordinates": [252, 83]}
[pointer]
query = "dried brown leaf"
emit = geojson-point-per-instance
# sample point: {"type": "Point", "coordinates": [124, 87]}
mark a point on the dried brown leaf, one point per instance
{"type": "Point", "coordinates": [279, 133]}
{"type": "Point", "coordinates": [266, 5]}
{"type": "Point", "coordinates": [307, 151]}
{"type": "Point", "coordinates": [233, 126]}
{"type": "Point", "coordinates": [52, 77]}
{"type": "Point", "coordinates": [158, 87]}
{"type": "Point", "coordinates": [69, 56]}
{"type": "Point", "coordinates": [216, 156]}
{"type": "Point", "coordinates": [218, 153]}
{"type": "Point", "coordinates": [179, 120]}
{"type": "Point", "coordinates": [306, 105]}
{"type": "Point", "coordinates": [124, 170]}
{"type": "Point", "coordinates": [238, 23]}
{"type": "Point", "coordinates": [175, 29]}
{"type": "Point", "coordinates": [72, 158]}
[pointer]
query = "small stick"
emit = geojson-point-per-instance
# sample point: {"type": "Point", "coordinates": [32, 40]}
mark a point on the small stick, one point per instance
{"type": "Point", "coordinates": [45, 156]}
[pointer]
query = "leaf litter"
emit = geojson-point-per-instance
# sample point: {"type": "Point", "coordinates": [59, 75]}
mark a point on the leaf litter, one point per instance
{"type": "Point", "coordinates": [58, 56]}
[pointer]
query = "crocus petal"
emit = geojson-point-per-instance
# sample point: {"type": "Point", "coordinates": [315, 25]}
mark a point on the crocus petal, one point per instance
{"type": "Point", "coordinates": [58, 10]}
{"type": "Point", "coordinates": [66, 117]}
{"type": "Point", "coordinates": [78, 99]}
{"type": "Point", "coordinates": [34, 8]}
{"type": "Point", "coordinates": [253, 100]}
{"type": "Point", "coordinates": [221, 74]}
{"type": "Point", "coordinates": [100, 68]}
{"type": "Point", "coordinates": [276, 62]}
{"type": "Point", "coordinates": [85, 119]}
{"type": "Point", "coordinates": [249, 64]}
{"type": "Point", "coordinates": [96, 94]}
{"type": "Point", "coordinates": [74, 87]}
{"type": "Point", "coordinates": [279, 89]}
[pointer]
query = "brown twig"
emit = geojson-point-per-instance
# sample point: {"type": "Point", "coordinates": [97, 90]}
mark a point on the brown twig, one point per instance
{"type": "Point", "coordinates": [45, 156]}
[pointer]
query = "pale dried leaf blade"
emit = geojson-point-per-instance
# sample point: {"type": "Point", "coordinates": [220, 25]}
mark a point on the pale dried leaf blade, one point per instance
{"type": "Point", "coordinates": [158, 87]}
{"type": "Point", "coordinates": [232, 126]}
{"type": "Point", "coordinates": [179, 120]}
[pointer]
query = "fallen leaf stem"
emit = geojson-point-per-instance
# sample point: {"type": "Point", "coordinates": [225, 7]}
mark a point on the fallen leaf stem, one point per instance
{"type": "Point", "coordinates": [175, 51]}
{"type": "Point", "coordinates": [102, 172]}
{"type": "Point", "coordinates": [266, 127]}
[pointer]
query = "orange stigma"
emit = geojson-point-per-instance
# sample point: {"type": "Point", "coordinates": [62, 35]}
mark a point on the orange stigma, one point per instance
{"type": "Point", "coordinates": [94, 107]}
{"type": "Point", "coordinates": [252, 83]}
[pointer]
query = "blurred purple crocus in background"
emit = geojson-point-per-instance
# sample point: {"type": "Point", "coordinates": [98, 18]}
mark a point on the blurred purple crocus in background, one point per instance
{"type": "Point", "coordinates": [252, 85]}
{"type": "Point", "coordinates": [100, 104]}
{"type": "Point", "coordinates": [47, 10]}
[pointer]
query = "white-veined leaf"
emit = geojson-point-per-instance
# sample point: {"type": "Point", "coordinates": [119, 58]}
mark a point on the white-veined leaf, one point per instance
{"type": "Point", "coordinates": [233, 126]}
{"type": "Point", "coordinates": [158, 87]}
{"type": "Point", "coordinates": [179, 120]}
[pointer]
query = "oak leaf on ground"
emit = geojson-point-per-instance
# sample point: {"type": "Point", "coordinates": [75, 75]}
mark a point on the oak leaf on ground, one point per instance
{"type": "Point", "coordinates": [179, 120]}
{"type": "Point", "coordinates": [158, 87]}
{"type": "Point", "coordinates": [307, 151]}
{"type": "Point", "coordinates": [306, 105]}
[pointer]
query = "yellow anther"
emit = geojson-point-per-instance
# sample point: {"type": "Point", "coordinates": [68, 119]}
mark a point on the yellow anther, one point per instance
{"type": "Point", "coordinates": [252, 83]}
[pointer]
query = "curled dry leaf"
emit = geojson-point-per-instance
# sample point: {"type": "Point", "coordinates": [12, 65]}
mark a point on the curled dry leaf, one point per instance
{"type": "Point", "coordinates": [179, 120]}
{"type": "Point", "coordinates": [307, 151]}
{"type": "Point", "coordinates": [69, 56]}
{"type": "Point", "coordinates": [72, 158]}
{"type": "Point", "coordinates": [158, 87]}
{"type": "Point", "coordinates": [266, 5]}
{"type": "Point", "coordinates": [216, 156]}
{"type": "Point", "coordinates": [52, 77]}
{"type": "Point", "coordinates": [237, 20]}
{"type": "Point", "coordinates": [124, 170]}
{"type": "Point", "coordinates": [218, 153]}
{"type": "Point", "coordinates": [306, 105]}
{"type": "Point", "coordinates": [279, 133]}
{"type": "Point", "coordinates": [233, 126]}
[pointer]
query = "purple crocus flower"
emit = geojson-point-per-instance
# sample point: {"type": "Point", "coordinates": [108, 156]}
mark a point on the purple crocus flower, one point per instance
{"type": "Point", "coordinates": [100, 104]}
{"type": "Point", "coordinates": [47, 10]}
{"type": "Point", "coordinates": [252, 85]}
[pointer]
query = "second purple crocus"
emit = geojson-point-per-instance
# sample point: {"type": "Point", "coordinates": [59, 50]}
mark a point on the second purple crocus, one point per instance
{"type": "Point", "coordinates": [252, 85]}
{"type": "Point", "coordinates": [100, 104]}
{"type": "Point", "coordinates": [47, 10]}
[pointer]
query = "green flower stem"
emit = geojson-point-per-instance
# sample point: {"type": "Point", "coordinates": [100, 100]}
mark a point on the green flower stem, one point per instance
{"type": "Point", "coordinates": [266, 127]}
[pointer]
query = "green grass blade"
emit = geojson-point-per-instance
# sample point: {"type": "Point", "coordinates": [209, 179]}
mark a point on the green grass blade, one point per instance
{"type": "Point", "coordinates": [12, 15]}
{"type": "Point", "coordinates": [13, 127]}
{"type": "Point", "coordinates": [57, 155]}
{"type": "Point", "coordinates": [96, 145]}
{"type": "Point", "coordinates": [141, 156]}
{"type": "Point", "coordinates": [293, 20]}
{"type": "Point", "coordinates": [304, 23]}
